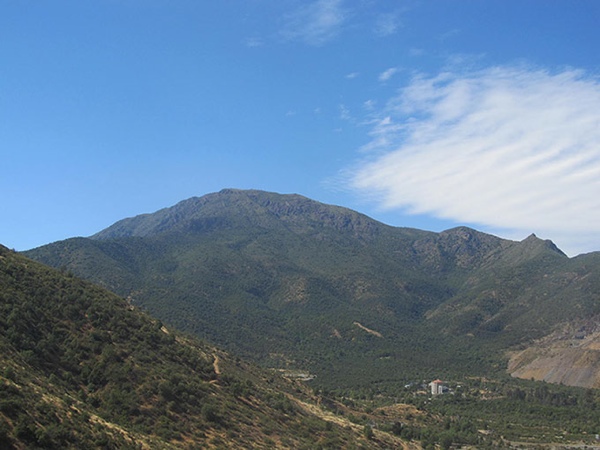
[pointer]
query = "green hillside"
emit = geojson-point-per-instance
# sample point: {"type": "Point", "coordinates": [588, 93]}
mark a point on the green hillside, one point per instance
{"type": "Point", "coordinates": [81, 368]}
{"type": "Point", "coordinates": [296, 284]}
{"type": "Point", "coordinates": [373, 312]}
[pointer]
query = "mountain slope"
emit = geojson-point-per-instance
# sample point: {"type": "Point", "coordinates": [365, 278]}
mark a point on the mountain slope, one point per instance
{"type": "Point", "coordinates": [294, 283]}
{"type": "Point", "coordinates": [83, 369]}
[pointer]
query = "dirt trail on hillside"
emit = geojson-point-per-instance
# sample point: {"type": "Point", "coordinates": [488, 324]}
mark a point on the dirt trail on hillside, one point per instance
{"type": "Point", "coordinates": [216, 366]}
{"type": "Point", "coordinates": [386, 438]}
{"type": "Point", "coordinates": [368, 330]}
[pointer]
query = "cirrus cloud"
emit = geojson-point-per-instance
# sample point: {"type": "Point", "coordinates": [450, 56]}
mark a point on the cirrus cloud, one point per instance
{"type": "Point", "coordinates": [512, 149]}
{"type": "Point", "coordinates": [387, 74]}
{"type": "Point", "coordinates": [387, 24]}
{"type": "Point", "coordinates": [315, 23]}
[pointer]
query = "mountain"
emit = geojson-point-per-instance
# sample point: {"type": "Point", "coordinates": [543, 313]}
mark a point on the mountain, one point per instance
{"type": "Point", "coordinates": [295, 284]}
{"type": "Point", "coordinates": [82, 368]}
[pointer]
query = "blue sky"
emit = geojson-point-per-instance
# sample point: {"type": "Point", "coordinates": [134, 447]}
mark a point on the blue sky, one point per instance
{"type": "Point", "coordinates": [418, 113]}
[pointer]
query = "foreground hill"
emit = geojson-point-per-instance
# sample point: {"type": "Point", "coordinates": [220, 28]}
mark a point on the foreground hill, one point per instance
{"type": "Point", "coordinates": [296, 284]}
{"type": "Point", "coordinates": [81, 368]}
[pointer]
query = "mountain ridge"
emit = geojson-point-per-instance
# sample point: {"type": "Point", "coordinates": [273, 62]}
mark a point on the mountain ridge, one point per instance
{"type": "Point", "coordinates": [261, 272]}
{"type": "Point", "coordinates": [253, 204]}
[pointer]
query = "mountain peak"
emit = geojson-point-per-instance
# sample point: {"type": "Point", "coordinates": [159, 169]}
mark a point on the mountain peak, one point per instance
{"type": "Point", "coordinates": [254, 270]}
{"type": "Point", "coordinates": [237, 208]}
{"type": "Point", "coordinates": [532, 241]}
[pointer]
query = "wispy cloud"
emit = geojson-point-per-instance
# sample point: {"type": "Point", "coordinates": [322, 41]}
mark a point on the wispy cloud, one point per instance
{"type": "Point", "coordinates": [352, 75]}
{"type": "Point", "coordinates": [449, 34]}
{"type": "Point", "coordinates": [315, 23]}
{"type": "Point", "coordinates": [253, 42]}
{"type": "Point", "coordinates": [387, 74]}
{"type": "Point", "coordinates": [512, 149]}
{"type": "Point", "coordinates": [345, 113]}
{"type": "Point", "coordinates": [416, 52]}
{"type": "Point", "coordinates": [369, 104]}
{"type": "Point", "coordinates": [387, 24]}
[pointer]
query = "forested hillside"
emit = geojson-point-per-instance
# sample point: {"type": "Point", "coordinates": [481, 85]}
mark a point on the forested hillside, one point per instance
{"type": "Point", "coordinates": [351, 319]}
{"type": "Point", "coordinates": [81, 368]}
{"type": "Point", "coordinates": [295, 284]}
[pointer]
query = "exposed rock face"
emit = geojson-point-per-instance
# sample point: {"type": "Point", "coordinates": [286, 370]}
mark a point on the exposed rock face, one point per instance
{"type": "Point", "coordinates": [570, 356]}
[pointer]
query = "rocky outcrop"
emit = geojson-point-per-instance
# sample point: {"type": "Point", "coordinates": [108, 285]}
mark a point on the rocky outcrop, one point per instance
{"type": "Point", "coordinates": [570, 356]}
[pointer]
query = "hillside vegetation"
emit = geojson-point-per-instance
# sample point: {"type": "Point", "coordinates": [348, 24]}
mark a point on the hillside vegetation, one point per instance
{"type": "Point", "coordinates": [295, 284]}
{"type": "Point", "coordinates": [81, 368]}
{"type": "Point", "coordinates": [349, 318]}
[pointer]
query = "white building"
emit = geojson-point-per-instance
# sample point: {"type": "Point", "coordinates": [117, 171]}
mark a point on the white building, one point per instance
{"type": "Point", "coordinates": [437, 387]}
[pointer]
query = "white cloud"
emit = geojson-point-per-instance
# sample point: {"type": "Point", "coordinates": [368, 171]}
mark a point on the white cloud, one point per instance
{"type": "Point", "coordinates": [345, 113]}
{"type": "Point", "coordinates": [352, 75]}
{"type": "Point", "coordinates": [253, 42]}
{"type": "Point", "coordinates": [369, 104]}
{"type": "Point", "coordinates": [449, 34]}
{"type": "Point", "coordinates": [315, 23]}
{"type": "Point", "coordinates": [387, 74]}
{"type": "Point", "coordinates": [387, 24]}
{"type": "Point", "coordinates": [512, 149]}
